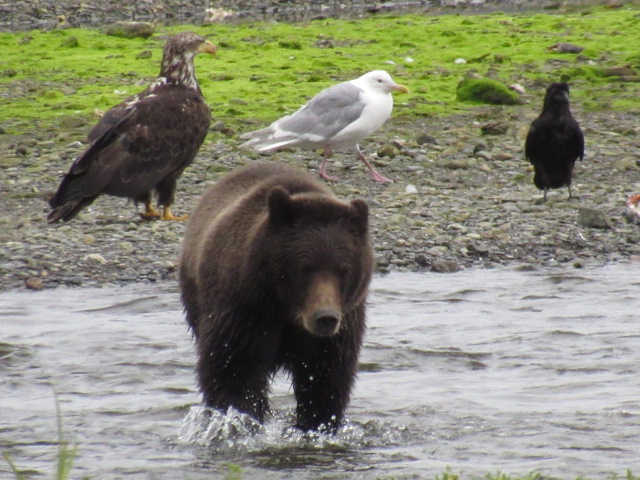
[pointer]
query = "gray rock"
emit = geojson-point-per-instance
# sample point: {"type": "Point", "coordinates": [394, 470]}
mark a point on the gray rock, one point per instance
{"type": "Point", "coordinates": [95, 258]}
{"type": "Point", "coordinates": [421, 260]}
{"type": "Point", "coordinates": [425, 138]}
{"type": "Point", "coordinates": [387, 150]}
{"type": "Point", "coordinates": [34, 283]}
{"type": "Point", "coordinates": [484, 155]}
{"type": "Point", "coordinates": [592, 218]}
{"type": "Point", "coordinates": [445, 266]}
{"type": "Point", "coordinates": [502, 156]}
{"type": "Point", "coordinates": [438, 251]}
{"type": "Point", "coordinates": [563, 47]}
{"type": "Point", "coordinates": [494, 128]}
{"type": "Point", "coordinates": [130, 29]}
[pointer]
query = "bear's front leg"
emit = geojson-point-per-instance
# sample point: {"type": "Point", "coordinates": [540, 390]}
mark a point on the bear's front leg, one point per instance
{"type": "Point", "coordinates": [235, 372]}
{"type": "Point", "coordinates": [234, 385]}
{"type": "Point", "coordinates": [322, 383]}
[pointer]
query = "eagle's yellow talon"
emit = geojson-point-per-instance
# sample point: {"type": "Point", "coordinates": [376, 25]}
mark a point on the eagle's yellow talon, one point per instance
{"type": "Point", "coordinates": [167, 215]}
{"type": "Point", "coordinates": [149, 213]}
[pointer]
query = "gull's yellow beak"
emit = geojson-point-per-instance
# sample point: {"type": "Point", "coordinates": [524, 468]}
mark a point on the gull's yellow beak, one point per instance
{"type": "Point", "coordinates": [207, 47]}
{"type": "Point", "coordinates": [400, 88]}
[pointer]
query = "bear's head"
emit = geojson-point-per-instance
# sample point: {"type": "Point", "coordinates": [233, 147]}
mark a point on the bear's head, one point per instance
{"type": "Point", "coordinates": [319, 257]}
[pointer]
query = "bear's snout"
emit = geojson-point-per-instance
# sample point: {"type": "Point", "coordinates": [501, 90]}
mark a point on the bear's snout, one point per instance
{"type": "Point", "coordinates": [321, 313]}
{"type": "Point", "coordinates": [326, 322]}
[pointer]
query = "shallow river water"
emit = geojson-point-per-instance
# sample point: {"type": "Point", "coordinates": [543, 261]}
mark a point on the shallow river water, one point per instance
{"type": "Point", "coordinates": [478, 371]}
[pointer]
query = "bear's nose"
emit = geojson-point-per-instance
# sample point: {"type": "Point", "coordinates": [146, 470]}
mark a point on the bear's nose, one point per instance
{"type": "Point", "coordinates": [326, 322]}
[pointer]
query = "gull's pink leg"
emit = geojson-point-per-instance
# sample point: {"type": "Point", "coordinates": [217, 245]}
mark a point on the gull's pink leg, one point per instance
{"type": "Point", "coordinates": [374, 173]}
{"type": "Point", "coordinates": [322, 171]}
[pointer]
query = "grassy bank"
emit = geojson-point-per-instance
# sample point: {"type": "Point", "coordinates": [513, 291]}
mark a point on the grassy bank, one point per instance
{"type": "Point", "coordinates": [64, 78]}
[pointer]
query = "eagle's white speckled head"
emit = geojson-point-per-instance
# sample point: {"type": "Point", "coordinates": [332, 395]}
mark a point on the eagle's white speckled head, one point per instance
{"type": "Point", "coordinates": [177, 58]}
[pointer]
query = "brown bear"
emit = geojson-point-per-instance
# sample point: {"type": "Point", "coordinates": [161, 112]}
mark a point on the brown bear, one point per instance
{"type": "Point", "coordinates": [274, 274]}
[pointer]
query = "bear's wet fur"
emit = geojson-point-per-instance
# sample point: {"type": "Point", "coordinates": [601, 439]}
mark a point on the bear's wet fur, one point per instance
{"type": "Point", "coordinates": [274, 274]}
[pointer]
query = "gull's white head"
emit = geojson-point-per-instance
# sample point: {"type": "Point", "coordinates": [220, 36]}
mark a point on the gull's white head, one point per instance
{"type": "Point", "coordinates": [381, 80]}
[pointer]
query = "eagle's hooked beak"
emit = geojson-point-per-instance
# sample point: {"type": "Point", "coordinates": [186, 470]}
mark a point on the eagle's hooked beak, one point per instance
{"type": "Point", "coordinates": [207, 47]}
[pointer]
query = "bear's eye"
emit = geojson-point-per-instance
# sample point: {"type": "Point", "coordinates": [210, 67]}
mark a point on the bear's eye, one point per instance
{"type": "Point", "coordinates": [307, 270]}
{"type": "Point", "coordinates": [343, 270]}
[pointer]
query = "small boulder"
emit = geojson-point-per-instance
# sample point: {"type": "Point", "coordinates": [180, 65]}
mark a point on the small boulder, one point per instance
{"type": "Point", "coordinates": [563, 47]}
{"type": "Point", "coordinates": [486, 90]}
{"type": "Point", "coordinates": [130, 29]}
{"type": "Point", "coordinates": [592, 218]}
{"type": "Point", "coordinates": [426, 138]}
{"type": "Point", "coordinates": [34, 283]}
{"type": "Point", "coordinates": [421, 260]}
{"type": "Point", "coordinates": [494, 128]}
{"type": "Point", "coordinates": [387, 150]}
{"type": "Point", "coordinates": [623, 73]}
{"type": "Point", "coordinates": [217, 15]}
{"type": "Point", "coordinates": [445, 266]}
{"type": "Point", "coordinates": [95, 258]}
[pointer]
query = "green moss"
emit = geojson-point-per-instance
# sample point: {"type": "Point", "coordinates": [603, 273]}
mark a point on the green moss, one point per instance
{"type": "Point", "coordinates": [70, 42]}
{"type": "Point", "coordinates": [291, 44]}
{"type": "Point", "coordinates": [51, 94]}
{"type": "Point", "coordinates": [485, 90]}
{"type": "Point", "coordinates": [276, 67]}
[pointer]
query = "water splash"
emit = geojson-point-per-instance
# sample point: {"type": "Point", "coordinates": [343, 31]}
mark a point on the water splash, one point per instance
{"type": "Point", "coordinates": [210, 427]}
{"type": "Point", "coordinates": [233, 431]}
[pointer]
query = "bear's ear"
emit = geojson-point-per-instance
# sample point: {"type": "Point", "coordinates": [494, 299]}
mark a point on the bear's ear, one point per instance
{"type": "Point", "coordinates": [280, 211]}
{"type": "Point", "coordinates": [360, 216]}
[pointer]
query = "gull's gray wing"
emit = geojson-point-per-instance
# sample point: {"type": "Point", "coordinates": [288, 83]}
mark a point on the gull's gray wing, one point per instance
{"type": "Point", "coordinates": [327, 113]}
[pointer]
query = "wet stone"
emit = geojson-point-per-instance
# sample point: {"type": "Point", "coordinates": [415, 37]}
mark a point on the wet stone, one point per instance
{"type": "Point", "coordinates": [34, 283]}
{"type": "Point", "coordinates": [592, 218]}
{"type": "Point", "coordinates": [425, 138]}
{"type": "Point", "coordinates": [445, 266]}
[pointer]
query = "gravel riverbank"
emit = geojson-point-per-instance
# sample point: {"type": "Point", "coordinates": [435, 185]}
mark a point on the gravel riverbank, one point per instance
{"type": "Point", "coordinates": [461, 198]}
{"type": "Point", "coordinates": [17, 15]}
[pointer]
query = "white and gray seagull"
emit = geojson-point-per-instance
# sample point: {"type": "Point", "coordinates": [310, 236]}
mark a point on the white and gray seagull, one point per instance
{"type": "Point", "coordinates": [337, 117]}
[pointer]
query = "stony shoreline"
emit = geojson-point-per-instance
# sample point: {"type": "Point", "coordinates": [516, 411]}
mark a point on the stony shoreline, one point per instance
{"type": "Point", "coordinates": [19, 15]}
{"type": "Point", "coordinates": [460, 199]}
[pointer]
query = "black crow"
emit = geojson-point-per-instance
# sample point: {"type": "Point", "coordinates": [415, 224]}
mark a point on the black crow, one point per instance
{"type": "Point", "coordinates": [554, 141]}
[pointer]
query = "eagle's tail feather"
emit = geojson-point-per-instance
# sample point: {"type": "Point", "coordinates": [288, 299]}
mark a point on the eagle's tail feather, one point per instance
{"type": "Point", "coordinates": [67, 210]}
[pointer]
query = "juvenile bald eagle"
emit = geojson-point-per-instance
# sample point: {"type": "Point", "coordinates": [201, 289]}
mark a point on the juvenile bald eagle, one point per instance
{"type": "Point", "coordinates": [144, 143]}
{"type": "Point", "coordinates": [555, 141]}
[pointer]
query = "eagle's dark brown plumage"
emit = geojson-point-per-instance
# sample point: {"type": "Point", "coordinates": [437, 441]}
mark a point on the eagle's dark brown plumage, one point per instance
{"type": "Point", "coordinates": [555, 141]}
{"type": "Point", "coordinates": [144, 143]}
